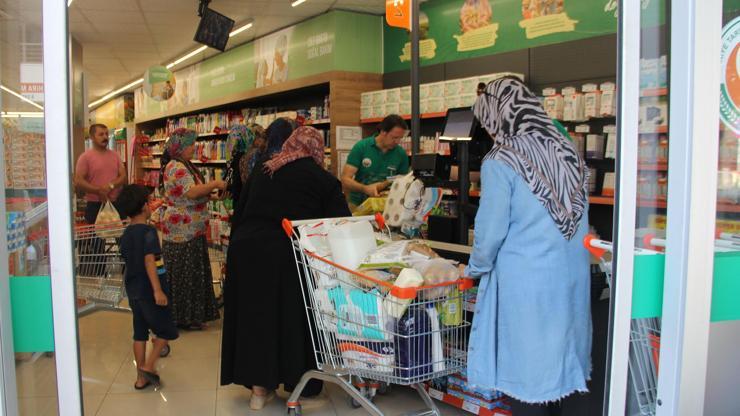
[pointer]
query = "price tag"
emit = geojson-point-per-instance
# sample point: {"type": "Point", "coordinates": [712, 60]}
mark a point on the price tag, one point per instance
{"type": "Point", "coordinates": [470, 407]}
{"type": "Point", "coordinates": [436, 394]}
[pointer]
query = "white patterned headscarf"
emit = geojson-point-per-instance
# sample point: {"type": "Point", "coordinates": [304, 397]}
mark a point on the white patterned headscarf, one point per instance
{"type": "Point", "coordinates": [526, 140]}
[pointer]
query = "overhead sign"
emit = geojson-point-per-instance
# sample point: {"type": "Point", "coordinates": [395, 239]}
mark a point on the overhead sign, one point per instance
{"type": "Point", "coordinates": [729, 108]}
{"type": "Point", "coordinates": [159, 83]}
{"type": "Point", "coordinates": [32, 81]}
{"type": "Point", "coordinates": [398, 13]}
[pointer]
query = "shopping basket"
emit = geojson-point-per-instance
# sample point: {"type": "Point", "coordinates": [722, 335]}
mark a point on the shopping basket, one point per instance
{"type": "Point", "coordinates": [645, 333]}
{"type": "Point", "coordinates": [367, 330]}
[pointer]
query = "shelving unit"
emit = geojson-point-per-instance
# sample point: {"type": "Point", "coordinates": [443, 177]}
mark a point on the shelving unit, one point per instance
{"type": "Point", "coordinates": [405, 117]}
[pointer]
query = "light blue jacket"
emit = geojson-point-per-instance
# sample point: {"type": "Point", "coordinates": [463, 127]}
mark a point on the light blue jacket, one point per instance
{"type": "Point", "coordinates": [531, 334]}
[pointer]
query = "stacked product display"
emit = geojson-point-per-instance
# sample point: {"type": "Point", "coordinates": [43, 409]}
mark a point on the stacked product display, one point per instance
{"type": "Point", "coordinates": [436, 97]}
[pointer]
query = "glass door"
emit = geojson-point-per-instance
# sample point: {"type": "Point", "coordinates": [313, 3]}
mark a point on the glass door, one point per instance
{"type": "Point", "coordinates": [40, 373]}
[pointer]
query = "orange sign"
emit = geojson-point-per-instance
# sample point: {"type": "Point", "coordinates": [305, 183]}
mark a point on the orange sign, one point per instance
{"type": "Point", "coordinates": [398, 13]}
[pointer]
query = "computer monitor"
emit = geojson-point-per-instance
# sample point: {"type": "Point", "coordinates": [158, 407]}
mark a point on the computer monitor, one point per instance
{"type": "Point", "coordinates": [214, 29]}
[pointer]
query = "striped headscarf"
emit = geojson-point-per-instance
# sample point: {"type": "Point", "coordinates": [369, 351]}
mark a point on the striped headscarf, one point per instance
{"type": "Point", "coordinates": [526, 140]}
{"type": "Point", "coordinates": [304, 142]}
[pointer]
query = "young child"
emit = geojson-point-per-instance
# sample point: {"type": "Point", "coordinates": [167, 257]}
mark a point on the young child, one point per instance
{"type": "Point", "coordinates": [146, 284]}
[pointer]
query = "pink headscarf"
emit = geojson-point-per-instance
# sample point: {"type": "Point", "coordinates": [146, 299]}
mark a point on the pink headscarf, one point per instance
{"type": "Point", "coordinates": [304, 142]}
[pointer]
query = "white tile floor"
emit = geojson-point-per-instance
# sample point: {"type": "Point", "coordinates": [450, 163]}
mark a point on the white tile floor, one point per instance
{"type": "Point", "coordinates": [190, 374]}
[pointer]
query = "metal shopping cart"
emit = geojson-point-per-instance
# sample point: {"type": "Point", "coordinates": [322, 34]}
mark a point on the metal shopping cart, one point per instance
{"type": "Point", "coordinates": [100, 270]}
{"type": "Point", "coordinates": [217, 255]}
{"type": "Point", "coordinates": [366, 329]}
{"type": "Point", "coordinates": [645, 333]}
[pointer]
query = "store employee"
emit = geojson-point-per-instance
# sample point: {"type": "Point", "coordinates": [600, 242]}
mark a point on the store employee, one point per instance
{"type": "Point", "coordinates": [374, 159]}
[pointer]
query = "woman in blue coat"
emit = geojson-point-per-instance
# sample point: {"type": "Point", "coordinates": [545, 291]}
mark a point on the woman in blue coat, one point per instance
{"type": "Point", "coordinates": [531, 334]}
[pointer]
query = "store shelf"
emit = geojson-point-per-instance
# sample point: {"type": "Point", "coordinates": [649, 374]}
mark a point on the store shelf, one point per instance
{"type": "Point", "coordinates": [405, 117]}
{"type": "Point", "coordinates": [221, 133]}
{"type": "Point", "coordinates": [659, 203]}
{"type": "Point", "coordinates": [654, 92]}
{"type": "Point", "coordinates": [157, 153]}
{"type": "Point", "coordinates": [601, 200]}
{"type": "Point", "coordinates": [210, 162]}
{"type": "Point", "coordinates": [661, 167]}
{"type": "Point", "coordinates": [468, 407]}
{"type": "Point", "coordinates": [318, 122]}
{"type": "Point", "coordinates": [151, 167]}
{"type": "Point", "coordinates": [656, 130]}
{"type": "Point", "coordinates": [157, 140]}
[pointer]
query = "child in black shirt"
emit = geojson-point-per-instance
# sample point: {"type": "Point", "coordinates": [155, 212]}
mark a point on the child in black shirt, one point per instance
{"type": "Point", "coordinates": [146, 284]}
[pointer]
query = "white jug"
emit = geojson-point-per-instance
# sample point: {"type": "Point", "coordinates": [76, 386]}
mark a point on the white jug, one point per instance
{"type": "Point", "coordinates": [351, 242]}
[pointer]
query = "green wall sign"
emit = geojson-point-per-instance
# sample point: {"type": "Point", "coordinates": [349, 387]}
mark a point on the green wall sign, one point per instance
{"type": "Point", "coordinates": [337, 40]}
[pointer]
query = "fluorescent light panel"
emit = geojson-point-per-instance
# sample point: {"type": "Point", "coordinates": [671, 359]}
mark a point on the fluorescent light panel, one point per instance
{"type": "Point", "coordinates": [116, 92]}
{"type": "Point", "coordinates": [298, 3]}
{"type": "Point", "coordinates": [179, 60]}
{"type": "Point", "coordinates": [21, 114]}
{"type": "Point", "coordinates": [22, 98]}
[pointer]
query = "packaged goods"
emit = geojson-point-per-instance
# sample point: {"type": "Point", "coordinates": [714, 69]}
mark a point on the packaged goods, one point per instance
{"type": "Point", "coordinates": [595, 146]}
{"type": "Point", "coordinates": [436, 271]}
{"type": "Point", "coordinates": [450, 311]}
{"type": "Point", "coordinates": [414, 344]}
{"type": "Point", "coordinates": [395, 307]}
{"type": "Point", "coordinates": [351, 242]}
{"type": "Point", "coordinates": [108, 223]}
{"type": "Point", "coordinates": [364, 355]}
{"type": "Point", "coordinates": [392, 96]}
{"type": "Point", "coordinates": [360, 314]}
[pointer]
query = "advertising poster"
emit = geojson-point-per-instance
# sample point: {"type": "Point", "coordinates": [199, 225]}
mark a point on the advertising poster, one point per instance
{"type": "Point", "coordinates": [271, 58]}
{"type": "Point", "coordinates": [159, 83]}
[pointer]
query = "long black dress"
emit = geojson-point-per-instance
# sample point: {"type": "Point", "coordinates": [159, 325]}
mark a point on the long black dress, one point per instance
{"type": "Point", "coordinates": [266, 340]}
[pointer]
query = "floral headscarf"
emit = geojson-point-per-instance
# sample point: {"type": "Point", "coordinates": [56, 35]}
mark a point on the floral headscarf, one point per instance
{"type": "Point", "coordinates": [277, 133]}
{"type": "Point", "coordinates": [240, 139]}
{"type": "Point", "coordinates": [180, 139]}
{"type": "Point", "coordinates": [304, 142]}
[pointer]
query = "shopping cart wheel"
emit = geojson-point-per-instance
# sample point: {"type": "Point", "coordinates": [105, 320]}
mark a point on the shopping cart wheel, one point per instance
{"type": "Point", "coordinates": [165, 351]}
{"type": "Point", "coordinates": [384, 389]}
{"type": "Point", "coordinates": [295, 411]}
{"type": "Point", "coordinates": [354, 403]}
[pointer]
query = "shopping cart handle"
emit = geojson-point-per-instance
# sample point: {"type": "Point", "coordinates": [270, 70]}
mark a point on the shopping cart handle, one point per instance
{"type": "Point", "coordinates": [465, 284]}
{"type": "Point", "coordinates": [648, 242]}
{"type": "Point", "coordinates": [595, 251]}
{"type": "Point", "coordinates": [288, 227]}
{"type": "Point", "coordinates": [380, 220]}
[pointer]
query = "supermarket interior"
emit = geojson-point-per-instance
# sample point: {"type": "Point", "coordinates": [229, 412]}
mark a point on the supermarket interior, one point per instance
{"type": "Point", "coordinates": [448, 288]}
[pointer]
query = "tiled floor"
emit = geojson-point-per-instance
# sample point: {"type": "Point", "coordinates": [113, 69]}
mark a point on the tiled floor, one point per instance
{"type": "Point", "coordinates": [190, 375]}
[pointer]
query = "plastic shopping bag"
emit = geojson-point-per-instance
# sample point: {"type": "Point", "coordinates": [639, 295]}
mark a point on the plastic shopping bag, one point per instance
{"type": "Point", "coordinates": [108, 224]}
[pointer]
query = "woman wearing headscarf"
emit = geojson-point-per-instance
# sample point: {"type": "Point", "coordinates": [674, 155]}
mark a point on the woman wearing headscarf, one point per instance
{"type": "Point", "coordinates": [183, 224]}
{"type": "Point", "coordinates": [266, 338]}
{"type": "Point", "coordinates": [277, 133]}
{"type": "Point", "coordinates": [531, 334]}
{"type": "Point", "coordinates": [243, 145]}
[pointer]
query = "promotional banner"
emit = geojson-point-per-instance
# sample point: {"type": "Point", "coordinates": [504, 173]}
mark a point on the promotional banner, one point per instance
{"type": "Point", "coordinates": [453, 30]}
{"type": "Point", "coordinates": [729, 109]}
{"type": "Point", "coordinates": [326, 43]}
{"type": "Point", "coordinates": [159, 83]}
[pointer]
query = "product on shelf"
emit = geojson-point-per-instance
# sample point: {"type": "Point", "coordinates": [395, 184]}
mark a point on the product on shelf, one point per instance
{"type": "Point", "coordinates": [608, 99]}
{"type": "Point", "coordinates": [574, 106]}
{"type": "Point", "coordinates": [607, 188]}
{"type": "Point", "coordinates": [592, 100]}
{"type": "Point", "coordinates": [611, 142]}
{"type": "Point", "coordinates": [553, 103]}
{"type": "Point", "coordinates": [595, 146]}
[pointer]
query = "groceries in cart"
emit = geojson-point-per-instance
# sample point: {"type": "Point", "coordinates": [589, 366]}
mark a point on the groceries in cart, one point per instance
{"type": "Point", "coordinates": [386, 308]}
{"type": "Point", "coordinates": [108, 223]}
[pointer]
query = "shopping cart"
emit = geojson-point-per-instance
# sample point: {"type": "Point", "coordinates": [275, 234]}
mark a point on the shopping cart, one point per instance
{"type": "Point", "coordinates": [217, 255]}
{"type": "Point", "coordinates": [645, 333]}
{"type": "Point", "coordinates": [100, 270]}
{"type": "Point", "coordinates": [367, 332]}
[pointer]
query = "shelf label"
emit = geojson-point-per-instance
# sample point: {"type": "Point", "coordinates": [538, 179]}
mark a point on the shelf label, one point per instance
{"type": "Point", "coordinates": [436, 394]}
{"type": "Point", "coordinates": [470, 407]}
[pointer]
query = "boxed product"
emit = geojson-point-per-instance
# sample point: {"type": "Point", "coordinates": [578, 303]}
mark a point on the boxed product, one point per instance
{"type": "Point", "coordinates": [435, 105]}
{"type": "Point", "coordinates": [649, 77]}
{"type": "Point", "coordinates": [378, 110]}
{"type": "Point", "coordinates": [608, 99]}
{"type": "Point", "coordinates": [592, 100]}
{"type": "Point", "coordinates": [453, 101]}
{"type": "Point", "coordinates": [468, 100]}
{"type": "Point", "coordinates": [423, 105]}
{"type": "Point", "coordinates": [663, 72]}
{"type": "Point", "coordinates": [405, 108]}
{"type": "Point", "coordinates": [366, 111]}
{"type": "Point", "coordinates": [368, 355]}
{"type": "Point", "coordinates": [611, 141]}
{"type": "Point", "coordinates": [554, 106]}
{"type": "Point", "coordinates": [595, 146]}
{"type": "Point", "coordinates": [609, 184]}
{"type": "Point", "coordinates": [653, 113]}
{"type": "Point", "coordinates": [453, 88]}
{"type": "Point", "coordinates": [366, 99]}
{"type": "Point", "coordinates": [423, 92]}
{"type": "Point", "coordinates": [437, 89]}
{"type": "Point", "coordinates": [391, 108]}
{"type": "Point", "coordinates": [406, 94]}
{"type": "Point", "coordinates": [377, 97]}
{"type": "Point", "coordinates": [573, 106]}
{"type": "Point", "coordinates": [393, 96]}
{"type": "Point", "coordinates": [591, 180]}
{"type": "Point", "coordinates": [469, 85]}
{"type": "Point", "coordinates": [579, 140]}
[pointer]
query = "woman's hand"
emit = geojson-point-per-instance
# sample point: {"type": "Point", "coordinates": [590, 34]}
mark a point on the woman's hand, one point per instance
{"type": "Point", "coordinates": [218, 185]}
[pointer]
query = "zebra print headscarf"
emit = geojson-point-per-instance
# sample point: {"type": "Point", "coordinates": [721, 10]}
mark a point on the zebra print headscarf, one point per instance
{"type": "Point", "coordinates": [526, 140]}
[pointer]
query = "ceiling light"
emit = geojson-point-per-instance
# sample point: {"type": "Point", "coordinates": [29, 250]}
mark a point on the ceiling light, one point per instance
{"type": "Point", "coordinates": [298, 3]}
{"type": "Point", "coordinates": [116, 92]}
{"type": "Point", "coordinates": [21, 114]}
{"type": "Point", "coordinates": [186, 57]}
{"type": "Point", "coordinates": [241, 29]}
{"type": "Point", "coordinates": [11, 92]}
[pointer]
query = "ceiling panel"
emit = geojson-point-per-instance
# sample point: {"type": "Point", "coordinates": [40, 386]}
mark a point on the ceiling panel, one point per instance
{"type": "Point", "coordinates": [121, 38]}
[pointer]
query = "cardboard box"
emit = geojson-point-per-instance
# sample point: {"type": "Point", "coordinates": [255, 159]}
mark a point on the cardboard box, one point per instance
{"type": "Point", "coordinates": [469, 85]}
{"type": "Point", "coordinates": [366, 111]}
{"type": "Point", "coordinates": [423, 92]}
{"type": "Point", "coordinates": [595, 146]}
{"type": "Point", "coordinates": [391, 108]}
{"type": "Point", "coordinates": [378, 97]}
{"type": "Point", "coordinates": [592, 104]}
{"type": "Point", "coordinates": [406, 94]}
{"type": "Point", "coordinates": [468, 100]}
{"type": "Point", "coordinates": [453, 101]}
{"type": "Point", "coordinates": [453, 88]}
{"type": "Point", "coordinates": [608, 103]}
{"type": "Point", "coordinates": [392, 96]}
{"type": "Point", "coordinates": [366, 99]}
{"type": "Point", "coordinates": [573, 107]}
{"type": "Point", "coordinates": [554, 106]}
{"type": "Point", "coordinates": [437, 90]}
{"type": "Point", "coordinates": [405, 108]}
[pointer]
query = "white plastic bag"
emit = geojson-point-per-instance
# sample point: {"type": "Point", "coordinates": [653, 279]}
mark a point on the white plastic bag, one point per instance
{"type": "Point", "coordinates": [108, 224]}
